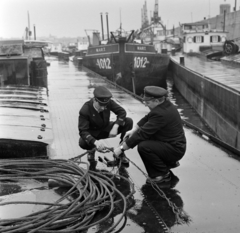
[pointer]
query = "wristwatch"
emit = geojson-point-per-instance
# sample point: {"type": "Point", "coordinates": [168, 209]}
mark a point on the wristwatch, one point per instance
{"type": "Point", "coordinates": [121, 147]}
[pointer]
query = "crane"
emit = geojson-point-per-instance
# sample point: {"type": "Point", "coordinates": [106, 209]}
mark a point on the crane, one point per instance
{"type": "Point", "coordinates": [148, 29]}
{"type": "Point", "coordinates": [156, 19]}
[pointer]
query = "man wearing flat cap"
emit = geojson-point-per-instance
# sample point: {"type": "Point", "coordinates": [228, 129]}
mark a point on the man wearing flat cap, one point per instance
{"type": "Point", "coordinates": [94, 123]}
{"type": "Point", "coordinates": [159, 135]}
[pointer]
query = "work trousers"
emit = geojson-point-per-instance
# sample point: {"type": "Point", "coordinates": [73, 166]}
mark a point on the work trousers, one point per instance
{"type": "Point", "coordinates": [105, 133]}
{"type": "Point", "coordinates": [156, 156]}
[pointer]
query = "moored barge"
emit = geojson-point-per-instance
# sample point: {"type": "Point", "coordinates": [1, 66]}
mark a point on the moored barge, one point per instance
{"type": "Point", "coordinates": [26, 129]}
{"type": "Point", "coordinates": [127, 62]}
{"type": "Point", "coordinates": [210, 83]}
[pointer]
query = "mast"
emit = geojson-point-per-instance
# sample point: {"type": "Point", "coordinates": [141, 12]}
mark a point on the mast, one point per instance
{"type": "Point", "coordinates": [29, 29]}
{"type": "Point", "coordinates": [120, 33]}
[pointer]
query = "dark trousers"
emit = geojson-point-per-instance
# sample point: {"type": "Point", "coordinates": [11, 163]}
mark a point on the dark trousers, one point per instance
{"type": "Point", "coordinates": [156, 155]}
{"type": "Point", "coordinates": [104, 134]}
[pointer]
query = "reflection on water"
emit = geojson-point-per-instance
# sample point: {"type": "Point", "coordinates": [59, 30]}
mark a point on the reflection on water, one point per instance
{"type": "Point", "coordinates": [167, 202]}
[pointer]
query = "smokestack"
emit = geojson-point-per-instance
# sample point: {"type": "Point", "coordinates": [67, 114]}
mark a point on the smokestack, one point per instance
{"type": "Point", "coordinates": [102, 27]}
{"type": "Point", "coordinates": [34, 32]}
{"type": "Point", "coordinates": [107, 26]}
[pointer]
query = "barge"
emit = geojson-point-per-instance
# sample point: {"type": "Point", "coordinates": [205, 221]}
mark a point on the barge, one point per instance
{"type": "Point", "coordinates": [124, 59]}
{"type": "Point", "coordinates": [210, 85]}
{"type": "Point", "coordinates": [26, 128]}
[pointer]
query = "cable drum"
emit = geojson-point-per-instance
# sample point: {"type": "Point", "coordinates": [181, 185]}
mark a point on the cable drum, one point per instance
{"type": "Point", "coordinates": [88, 192]}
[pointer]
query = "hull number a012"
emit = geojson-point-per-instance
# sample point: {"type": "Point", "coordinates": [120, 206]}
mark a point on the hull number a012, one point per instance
{"type": "Point", "coordinates": [140, 62]}
{"type": "Point", "coordinates": [104, 63]}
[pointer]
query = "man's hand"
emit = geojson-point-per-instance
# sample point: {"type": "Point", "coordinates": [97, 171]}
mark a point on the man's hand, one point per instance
{"type": "Point", "coordinates": [130, 132]}
{"type": "Point", "coordinates": [100, 145]}
{"type": "Point", "coordinates": [117, 151]}
{"type": "Point", "coordinates": [114, 131]}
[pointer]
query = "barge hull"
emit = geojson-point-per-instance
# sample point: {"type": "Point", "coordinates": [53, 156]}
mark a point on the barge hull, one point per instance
{"type": "Point", "coordinates": [128, 67]}
{"type": "Point", "coordinates": [213, 91]}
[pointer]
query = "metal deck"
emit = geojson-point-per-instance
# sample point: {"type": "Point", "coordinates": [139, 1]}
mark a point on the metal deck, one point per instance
{"type": "Point", "coordinates": [206, 185]}
{"type": "Point", "coordinates": [225, 74]}
{"type": "Point", "coordinates": [205, 188]}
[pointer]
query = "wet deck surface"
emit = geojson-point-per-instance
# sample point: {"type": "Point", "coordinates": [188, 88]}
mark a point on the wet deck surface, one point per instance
{"type": "Point", "coordinates": [206, 187]}
{"type": "Point", "coordinates": [207, 184]}
{"type": "Point", "coordinates": [225, 74]}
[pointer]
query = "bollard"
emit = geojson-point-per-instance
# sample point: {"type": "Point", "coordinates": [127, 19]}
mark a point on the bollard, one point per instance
{"type": "Point", "coordinates": [182, 60]}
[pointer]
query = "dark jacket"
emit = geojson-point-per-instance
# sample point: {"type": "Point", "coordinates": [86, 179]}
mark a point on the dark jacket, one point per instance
{"type": "Point", "coordinates": [163, 123]}
{"type": "Point", "coordinates": [91, 123]}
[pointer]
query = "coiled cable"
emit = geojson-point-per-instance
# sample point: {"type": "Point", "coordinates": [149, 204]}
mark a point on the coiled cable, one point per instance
{"type": "Point", "coordinates": [92, 191]}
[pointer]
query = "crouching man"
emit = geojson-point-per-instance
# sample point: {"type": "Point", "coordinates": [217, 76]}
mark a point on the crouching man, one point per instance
{"type": "Point", "coordinates": [159, 135]}
{"type": "Point", "coordinates": [94, 123]}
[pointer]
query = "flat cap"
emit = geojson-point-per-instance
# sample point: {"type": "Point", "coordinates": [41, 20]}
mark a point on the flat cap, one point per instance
{"type": "Point", "coordinates": [102, 95]}
{"type": "Point", "coordinates": [153, 92]}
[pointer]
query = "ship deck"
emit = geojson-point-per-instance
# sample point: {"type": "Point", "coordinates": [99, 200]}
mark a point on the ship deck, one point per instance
{"type": "Point", "coordinates": [223, 73]}
{"type": "Point", "coordinates": [206, 186]}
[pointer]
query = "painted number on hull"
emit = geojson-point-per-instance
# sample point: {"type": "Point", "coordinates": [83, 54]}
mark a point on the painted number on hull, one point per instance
{"type": "Point", "coordinates": [140, 62]}
{"type": "Point", "coordinates": [104, 63]}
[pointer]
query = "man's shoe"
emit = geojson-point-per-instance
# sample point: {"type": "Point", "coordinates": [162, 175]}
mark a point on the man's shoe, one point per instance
{"type": "Point", "coordinates": [91, 156]}
{"type": "Point", "coordinates": [159, 179]}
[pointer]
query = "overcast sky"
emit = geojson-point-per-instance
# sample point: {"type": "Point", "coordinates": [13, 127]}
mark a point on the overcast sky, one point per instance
{"type": "Point", "coordinates": [70, 18]}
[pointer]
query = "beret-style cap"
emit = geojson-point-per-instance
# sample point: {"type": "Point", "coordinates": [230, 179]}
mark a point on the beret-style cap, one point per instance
{"type": "Point", "coordinates": [152, 92]}
{"type": "Point", "coordinates": [102, 95]}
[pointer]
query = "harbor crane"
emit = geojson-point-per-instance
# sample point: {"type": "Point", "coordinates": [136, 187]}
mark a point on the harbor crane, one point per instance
{"type": "Point", "coordinates": [156, 22]}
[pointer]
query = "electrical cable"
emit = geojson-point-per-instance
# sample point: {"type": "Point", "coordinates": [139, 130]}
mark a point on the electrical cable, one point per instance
{"type": "Point", "coordinates": [88, 193]}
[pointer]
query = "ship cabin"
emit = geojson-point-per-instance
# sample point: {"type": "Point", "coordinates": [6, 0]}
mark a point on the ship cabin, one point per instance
{"type": "Point", "coordinates": [22, 63]}
{"type": "Point", "coordinates": [199, 37]}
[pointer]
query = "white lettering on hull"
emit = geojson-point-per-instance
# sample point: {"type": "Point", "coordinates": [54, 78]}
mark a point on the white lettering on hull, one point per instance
{"type": "Point", "coordinates": [141, 48]}
{"type": "Point", "coordinates": [100, 50]}
{"type": "Point", "coordinates": [104, 63]}
{"type": "Point", "coordinates": [140, 62]}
